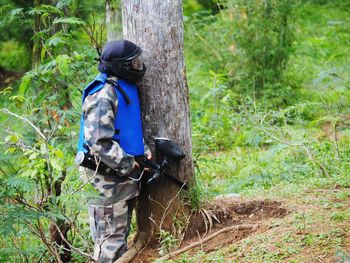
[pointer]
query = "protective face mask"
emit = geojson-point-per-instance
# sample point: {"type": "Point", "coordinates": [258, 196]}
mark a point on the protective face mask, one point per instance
{"type": "Point", "coordinates": [138, 63]}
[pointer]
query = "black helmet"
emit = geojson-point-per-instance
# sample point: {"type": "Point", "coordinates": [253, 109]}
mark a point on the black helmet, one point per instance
{"type": "Point", "coordinates": [123, 59]}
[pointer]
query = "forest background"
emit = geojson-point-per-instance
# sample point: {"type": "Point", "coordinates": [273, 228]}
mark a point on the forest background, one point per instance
{"type": "Point", "coordinates": [269, 94]}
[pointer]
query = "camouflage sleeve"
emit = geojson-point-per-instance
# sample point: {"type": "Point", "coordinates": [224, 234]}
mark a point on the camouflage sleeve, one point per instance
{"type": "Point", "coordinates": [99, 111]}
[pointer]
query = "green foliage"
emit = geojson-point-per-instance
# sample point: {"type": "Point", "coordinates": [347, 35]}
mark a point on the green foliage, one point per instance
{"type": "Point", "coordinates": [40, 183]}
{"type": "Point", "coordinates": [304, 140]}
{"type": "Point", "coordinates": [213, 5]}
{"type": "Point", "coordinates": [14, 56]}
{"type": "Point", "coordinates": [249, 42]}
{"type": "Point", "coordinates": [264, 33]}
{"type": "Point", "coordinates": [269, 86]}
{"type": "Point", "coordinates": [167, 241]}
{"type": "Point", "coordinates": [195, 196]}
{"type": "Point", "coordinates": [13, 23]}
{"type": "Point", "coordinates": [69, 20]}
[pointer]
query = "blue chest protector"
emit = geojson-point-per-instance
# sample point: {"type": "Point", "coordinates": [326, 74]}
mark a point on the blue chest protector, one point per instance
{"type": "Point", "coordinates": [127, 124]}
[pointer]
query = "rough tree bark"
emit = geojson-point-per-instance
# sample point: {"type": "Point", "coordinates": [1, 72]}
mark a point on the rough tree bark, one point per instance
{"type": "Point", "coordinates": [157, 26]}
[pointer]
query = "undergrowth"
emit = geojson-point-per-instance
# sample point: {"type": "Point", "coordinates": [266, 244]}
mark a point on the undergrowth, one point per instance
{"type": "Point", "coordinates": [269, 93]}
{"type": "Point", "coordinates": [243, 143]}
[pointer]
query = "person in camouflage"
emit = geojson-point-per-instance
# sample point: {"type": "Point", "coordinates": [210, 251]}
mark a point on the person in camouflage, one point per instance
{"type": "Point", "coordinates": [104, 100]}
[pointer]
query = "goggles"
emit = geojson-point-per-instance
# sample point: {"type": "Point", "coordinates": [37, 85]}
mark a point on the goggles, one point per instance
{"type": "Point", "coordinates": [138, 63]}
{"type": "Point", "coordinates": [134, 61]}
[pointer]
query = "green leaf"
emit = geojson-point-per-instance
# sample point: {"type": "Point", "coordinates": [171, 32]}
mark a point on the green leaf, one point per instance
{"type": "Point", "coordinates": [56, 164]}
{"type": "Point", "coordinates": [10, 150]}
{"type": "Point", "coordinates": [16, 12]}
{"type": "Point", "coordinates": [42, 54]}
{"type": "Point", "coordinates": [6, 91]}
{"type": "Point", "coordinates": [63, 3]}
{"type": "Point", "coordinates": [59, 154]}
{"type": "Point", "coordinates": [212, 73]}
{"type": "Point", "coordinates": [18, 100]}
{"type": "Point", "coordinates": [42, 9]}
{"type": "Point", "coordinates": [63, 62]}
{"type": "Point", "coordinates": [55, 40]}
{"type": "Point", "coordinates": [11, 139]}
{"type": "Point", "coordinates": [43, 148]}
{"type": "Point", "coordinates": [26, 81]}
{"type": "Point", "coordinates": [69, 20]}
{"type": "Point", "coordinates": [22, 183]}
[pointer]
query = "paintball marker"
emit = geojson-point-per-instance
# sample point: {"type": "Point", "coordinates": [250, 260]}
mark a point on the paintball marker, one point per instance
{"type": "Point", "coordinates": [170, 152]}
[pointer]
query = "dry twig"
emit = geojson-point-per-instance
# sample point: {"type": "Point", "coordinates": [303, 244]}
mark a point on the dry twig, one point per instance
{"type": "Point", "coordinates": [200, 242]}
{"type": "Point", "coordinates": [25, 120]}
{"type": "Point", "coordinates": [320, 165]}
{"type": "Point", "coordinates": [70, 245]}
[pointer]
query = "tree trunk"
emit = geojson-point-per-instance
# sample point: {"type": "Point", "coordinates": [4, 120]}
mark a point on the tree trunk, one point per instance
{"type": "Point", "coordinates": [36, 39]}
{"type": "Point", "coordinates": [113, 20]}
{"type": "Point", "coordinates": [157, 27]}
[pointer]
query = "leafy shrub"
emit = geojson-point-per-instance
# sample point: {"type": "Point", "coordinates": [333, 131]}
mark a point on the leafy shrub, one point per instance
{"type": "Point", "coordinates": [213, 5]}
{"type": "Point", "coordinates": [14, 56]}
{"type": "Point", "coordinates": [263, 32]}
{"type": "Point", "coordinates": [41, 188]}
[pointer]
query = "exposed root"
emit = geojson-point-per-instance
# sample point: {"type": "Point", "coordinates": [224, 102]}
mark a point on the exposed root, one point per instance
{"type": "Point", "coordinates": [200, 242]}
{"type": "Point", "coordinates": [139, 244]}
{"type": "Point", "coordinates": [241, 217]}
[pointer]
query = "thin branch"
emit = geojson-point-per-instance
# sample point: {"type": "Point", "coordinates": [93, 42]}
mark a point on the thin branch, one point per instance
{"type": "Point", "coordinates": [97, 160]}
{"type": "Point", "coordinates": [90, 30]}
{"type": "Point", "coordinates": [201, 241]}
{"type": "Point", "coordinates": [156, 202]}
{"type": "Point", "coordinates": [21, 143]}
{"type": "Point", "coordinates": [185, 229]}
{"type": "Point", "coordinates": [167, 209]}
{"type": "Point", "coordinates": [321, 166]}
{"type": "Point", "coordinates": [6, 111]}
{"type": "Point", "coordinates": [72, 247]}
{"type": "Point", "coordinates": [43, 238]}
{"type": "Point", "coordinates": [49, 185]}
{"type": "Point", "coordinates": [272, 136]}
{"type": "Point", "coordinates": [42, 256]}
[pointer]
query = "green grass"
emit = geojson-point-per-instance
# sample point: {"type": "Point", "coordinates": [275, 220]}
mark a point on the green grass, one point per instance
{"type": "Point", "coordinates": [234, 155]}
{"type": "Point", "coordinates": [316, 226]}
{"type": "Point", "coordinates": [232, 151]}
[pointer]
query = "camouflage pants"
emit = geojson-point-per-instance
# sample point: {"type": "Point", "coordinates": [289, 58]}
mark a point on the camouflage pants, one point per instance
{"type": "Point", "coordinates": [110, 214]}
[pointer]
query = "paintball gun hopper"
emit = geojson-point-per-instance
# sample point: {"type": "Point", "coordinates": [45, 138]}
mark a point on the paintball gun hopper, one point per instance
{"type": "Point", "coordinates": [169, 149]}
{"type": "Point", "coordinates": [170, 152]}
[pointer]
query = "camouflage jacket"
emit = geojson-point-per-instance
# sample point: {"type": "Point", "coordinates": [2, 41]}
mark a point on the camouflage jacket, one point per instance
{"type": "Point", "coordinates": [99, 110]}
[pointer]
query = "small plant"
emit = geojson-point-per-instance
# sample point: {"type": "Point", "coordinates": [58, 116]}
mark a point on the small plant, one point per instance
{"type": "Point", "coordinates": [264, 33]}
{"type": "Point", "coordinates": [167, 242]}
{"type": "Point", "coordinates": [196, 196]}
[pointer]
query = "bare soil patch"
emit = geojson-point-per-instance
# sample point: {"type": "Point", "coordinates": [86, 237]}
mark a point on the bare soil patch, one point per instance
{"type": "Point", "coordinates": [218, 215]}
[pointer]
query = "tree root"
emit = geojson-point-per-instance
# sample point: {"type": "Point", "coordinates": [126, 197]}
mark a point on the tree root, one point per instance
{"type": "Point", "coordinates": [138, 245]}
{"type": "Point", "coordinates": [198, 243]}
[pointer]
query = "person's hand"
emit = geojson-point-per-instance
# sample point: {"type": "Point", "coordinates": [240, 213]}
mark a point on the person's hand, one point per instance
{"type": "Point", "coordinates": [135, 165]}
{"type": "Point", "coordinates": [148, 154]}
{"type": "Point", "coordinates": [149, 157]}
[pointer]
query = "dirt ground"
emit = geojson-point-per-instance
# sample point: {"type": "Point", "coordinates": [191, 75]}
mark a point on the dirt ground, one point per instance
{"type": "Point", "coordinates": [310, 226]}
{"type": "Point", "coordinates": [223, 213]}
